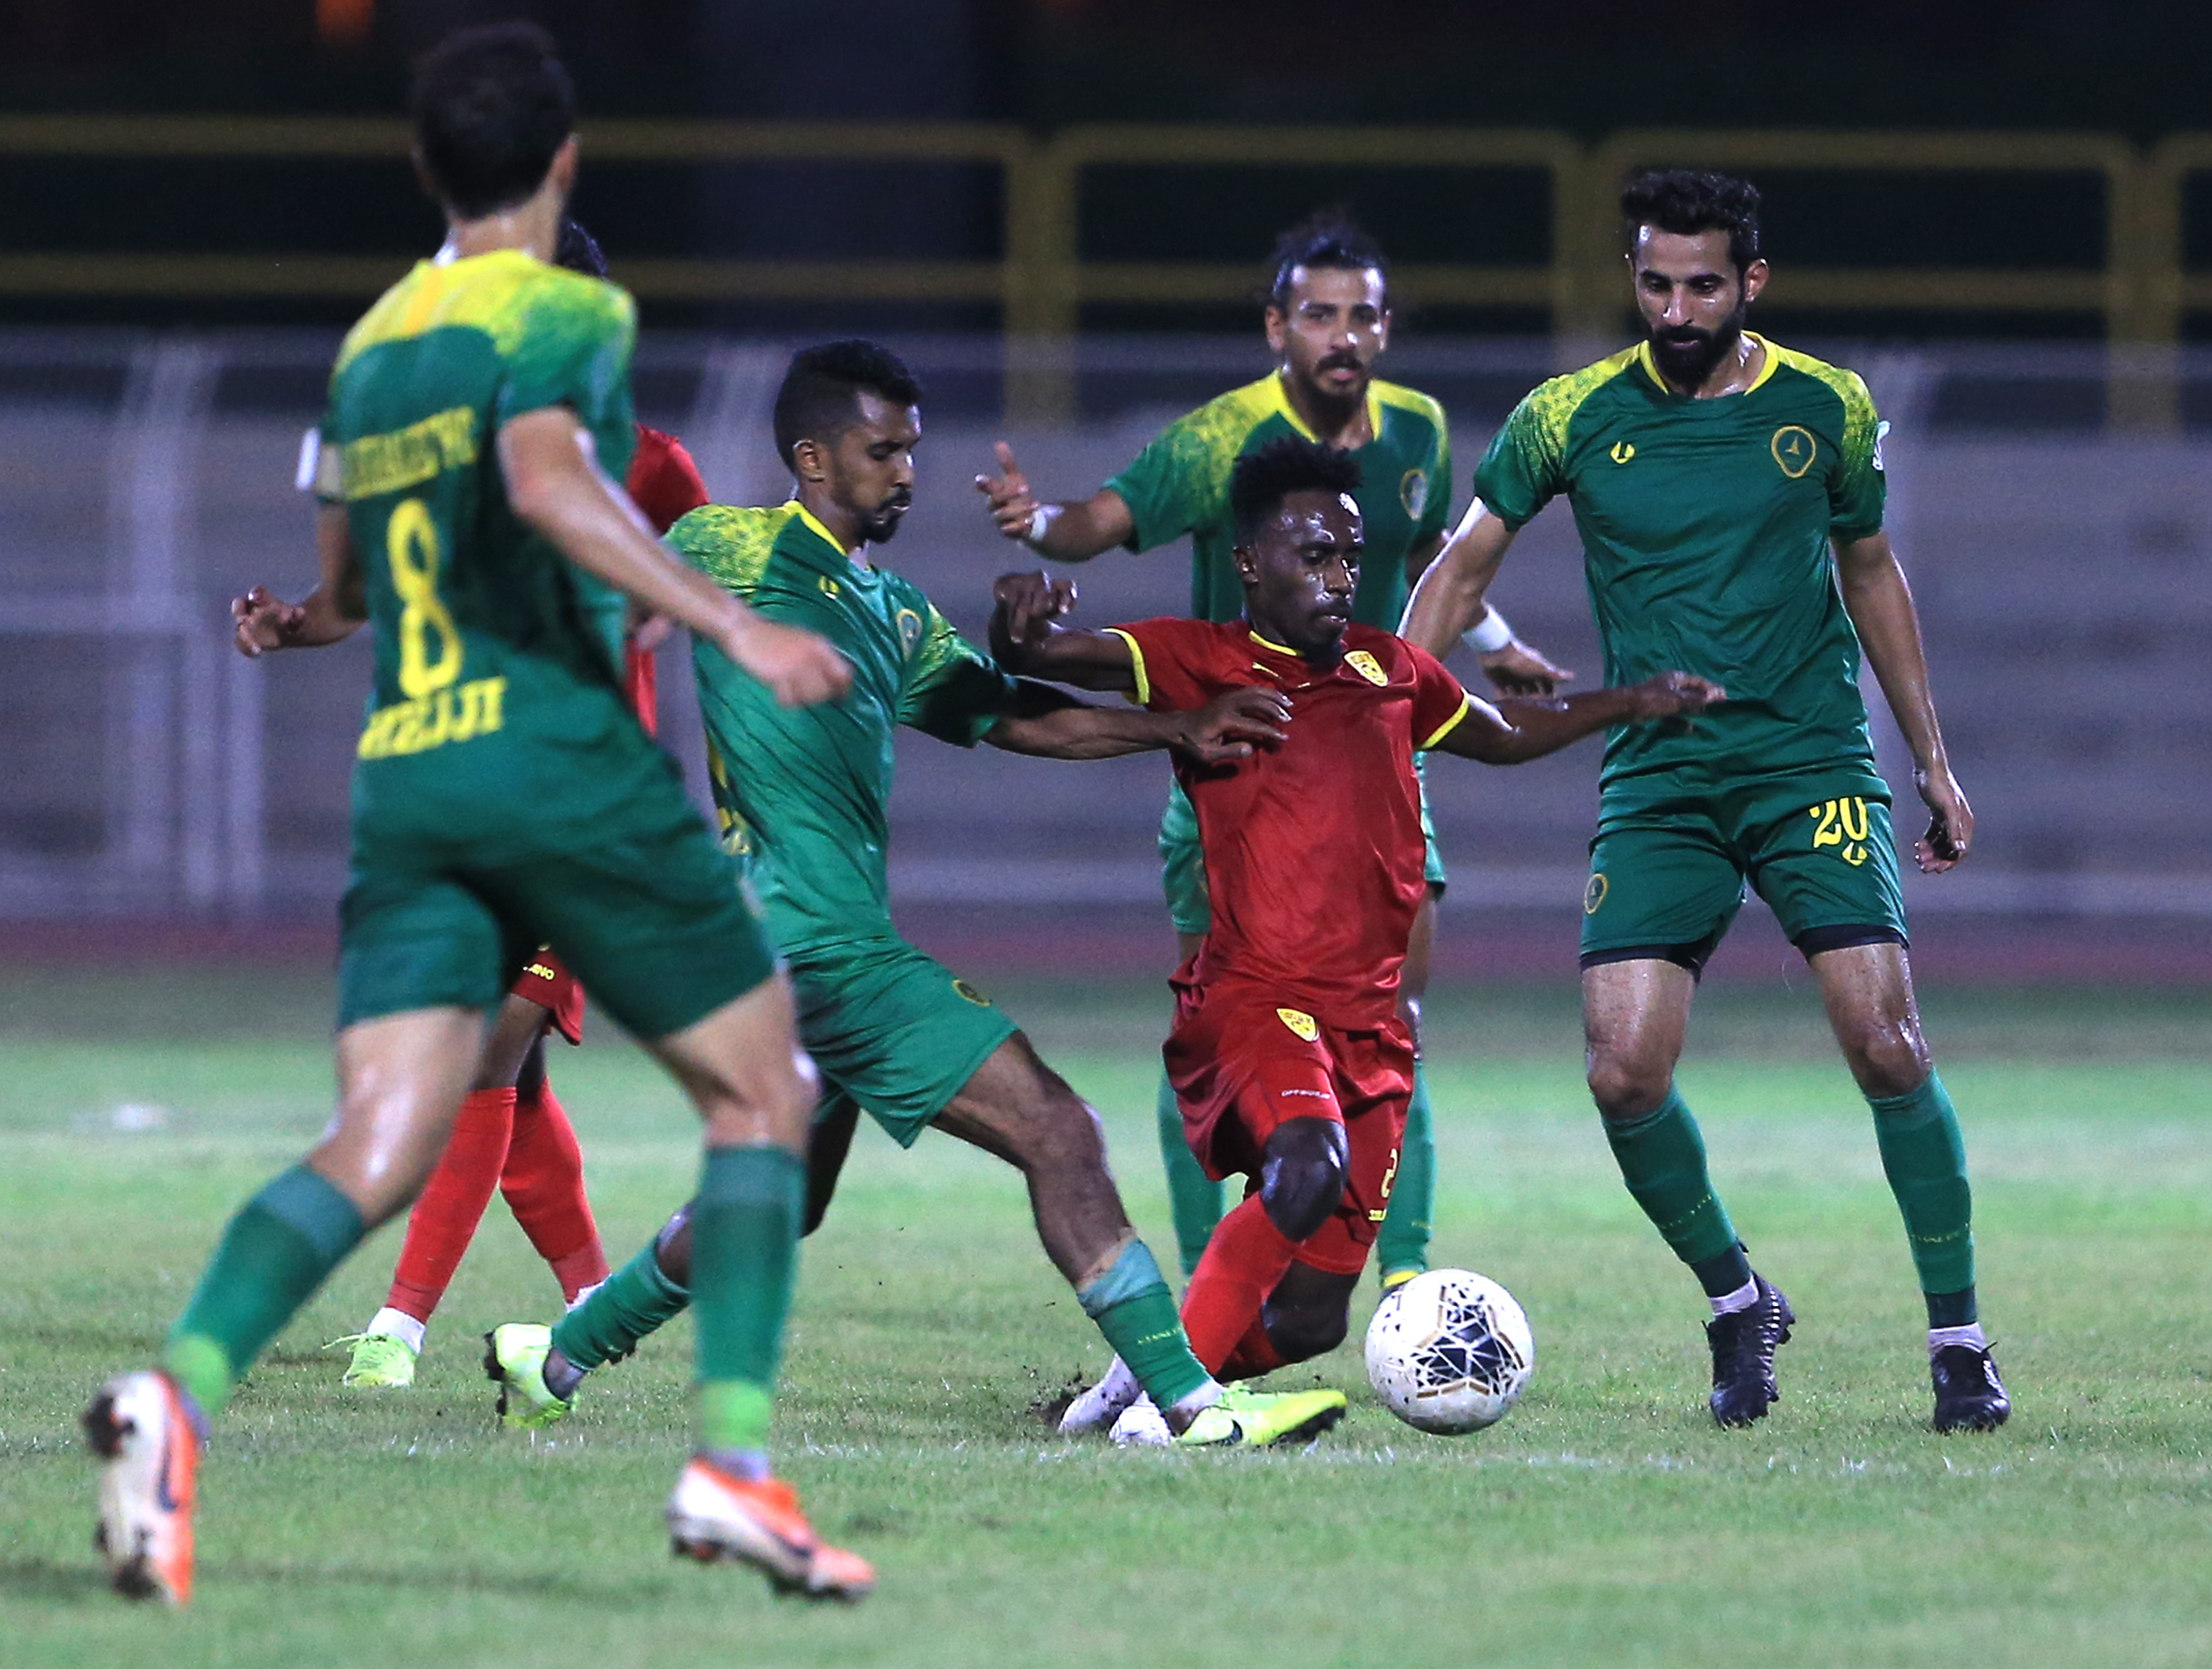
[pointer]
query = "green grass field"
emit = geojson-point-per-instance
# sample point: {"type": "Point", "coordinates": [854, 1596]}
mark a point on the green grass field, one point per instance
{"type": "Point", "coordinates": [1604, 1522]}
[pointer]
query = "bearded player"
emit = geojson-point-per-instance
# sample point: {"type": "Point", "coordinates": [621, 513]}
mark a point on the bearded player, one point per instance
{"type": "Point", "coordinates": [1292, 1063]}
{"type": "Point", "coordinates": [506, 797]}
{"type": "Point", "coordinates": [804, 802]}
{"type": "Point", "coordinates": [1327, 321]}
{"type": "Point", "coordinates": [1712, 473]}
{"type": "Point", "coordinates": [512, 1136]}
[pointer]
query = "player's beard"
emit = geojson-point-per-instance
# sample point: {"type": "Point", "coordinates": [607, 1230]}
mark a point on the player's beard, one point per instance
{"type": "Point", "coordinates": [878, 525]}
{"type": "Point", "coordinates": [1334, 408]}
{"type": "Point", "coordinates": [1687, 354]}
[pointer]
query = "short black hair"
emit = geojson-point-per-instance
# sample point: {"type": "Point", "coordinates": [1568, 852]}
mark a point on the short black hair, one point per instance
{"type": "Point", "coordinates": [1262, 480]}
{"type": "Point", "coordinates": [490, 107]}
{"type": "Point", "coordinates": [1329, 238]}
{"type": "Point", "coordinates": [1686, 202]}
{"type": "Point", "coordinates": [820, 396]}
{"type": "Point", "coordinates": [578, 251]}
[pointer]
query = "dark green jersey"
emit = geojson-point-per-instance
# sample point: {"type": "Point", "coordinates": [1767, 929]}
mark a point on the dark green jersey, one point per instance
{"type": "Point", "coordinates": [804, 792]}
{"type": "Point", "coordinates": [1706, 527]}
{"type": "Point", "coordinates": [1180, 484]}
{"type": "Point", "coordinates": [497, 661]}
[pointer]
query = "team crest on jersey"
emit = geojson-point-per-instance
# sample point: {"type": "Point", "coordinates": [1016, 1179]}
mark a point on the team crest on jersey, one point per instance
{"type": "Point", "coordinates": [909, 631]}
{"type": "Point", "coordinates": [1794, 449]}
{"type": "Point", "coordinates": [968, 993]}
{"type": "Point", "coordinates": [1301, 1025]}
{"type": "Point", "coordinates": [1621, 451]}
{"type": "Point", "coordinates": [829, 587]}
{"type": "Point", "coordinates": [1366, 666]}
{"type": "Point", "coordinates": [1413, 492]}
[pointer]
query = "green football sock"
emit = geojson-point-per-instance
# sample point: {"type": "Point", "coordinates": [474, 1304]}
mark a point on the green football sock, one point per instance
{"type": "Point", "coordinates": [636, 1300]}
{"type": "Point", "coordinates": [1401, 1247]}
{"type": "Point", "coordinates": [1193, 1196]}
{"type": "Point", "coordinates": [1662, 1161]}
{"type": "Point", "coordinates": [745, 1256]}
{"type": "Point", "coordinates": [1925, 1159]}
{"type": "Point", "coordinates": [272, 1258]}
{"type": "Point", "coordinates": [1136, 1312]}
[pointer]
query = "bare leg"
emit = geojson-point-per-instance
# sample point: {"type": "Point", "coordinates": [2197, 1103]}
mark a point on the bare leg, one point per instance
{"type": "Point", "coordinates": [1635, 1016]}
{"type": "Point", "coordinates": [1867, 989]}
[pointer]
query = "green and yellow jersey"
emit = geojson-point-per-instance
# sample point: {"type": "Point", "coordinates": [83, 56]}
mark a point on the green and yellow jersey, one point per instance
{"type": "Point", "coordinates": [1180, 484]}
{"type": "Point", "coordinates": [804, 792]}
{"type": "Point", "coordinates": [497, 661]}
{"type": "Point", "coordinates": [1706, 530]}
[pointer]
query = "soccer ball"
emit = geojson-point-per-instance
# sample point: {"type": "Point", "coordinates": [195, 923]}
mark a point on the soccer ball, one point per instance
{"type": "Point", "coordinates": [1449, 1351]}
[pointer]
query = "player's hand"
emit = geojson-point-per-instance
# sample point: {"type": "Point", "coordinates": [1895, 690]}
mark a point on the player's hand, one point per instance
{"type": "Point", "coordinates": [649, 631]}
{"type": "Point", "coordinates": [1950, 821]}
{"type": "Point", "coordinates": [1672, 695]}
{"type": "Point", "coordinates": [261, 622]}
{"type": "Point", "coordinates": [1232, 726]}
{"type": "Point", "coordinates": [1030, 603]}
{"type": "Point", "coordinates": [1519, 670]}
{"type": "Point", "coordinates": [798, 666]}
{"type": "Point", "coordinates": [1011, 505]}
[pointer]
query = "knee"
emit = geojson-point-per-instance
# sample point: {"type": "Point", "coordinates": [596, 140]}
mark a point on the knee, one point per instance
{"type": "Point", "coordinates": [1626, 1088]}
{"type": "Point", "coordinates": [1303, 1331]}
{"type": "Point", "coordinates": [1302, 1174]}
{"type": "Point", "coordinates": [1888, 1056]}
{"type": "Point", "coordinates": [671, 1247]}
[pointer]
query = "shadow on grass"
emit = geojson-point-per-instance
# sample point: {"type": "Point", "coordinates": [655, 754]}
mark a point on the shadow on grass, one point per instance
{"type": "Point", "coordinates": [45, 1579]}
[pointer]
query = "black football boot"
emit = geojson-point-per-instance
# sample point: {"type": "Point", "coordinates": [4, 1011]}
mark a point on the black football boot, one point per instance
{"type": "Point", "coordinates": [1969, 1395]}
{"type": "Point", "coordinates": [1744, 1342]}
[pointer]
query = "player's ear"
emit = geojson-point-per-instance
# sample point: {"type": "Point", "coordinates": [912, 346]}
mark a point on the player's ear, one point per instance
{"type": "Point", "coordinates": [1248, 564]}
{"type": "Point", "coordinates": [809, 460]}
{"type": "Point", "coordinates": [1755, 278]}
{"type": "Point", "coordinates": [563, 173]}
{"type": "Point", "coordinates": [1278, 328]}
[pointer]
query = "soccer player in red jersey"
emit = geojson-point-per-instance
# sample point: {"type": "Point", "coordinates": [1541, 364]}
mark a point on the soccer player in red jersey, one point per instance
{"type": "Point", "coordinates": [1289, 1059]}
{"type": "Point", "coordinates": [512, 1135]}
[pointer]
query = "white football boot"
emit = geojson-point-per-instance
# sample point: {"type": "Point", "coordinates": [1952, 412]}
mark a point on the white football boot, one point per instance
{"type": "Point", "coordinates": [1097, 1409]}
{"type": "Point", "coordinates": [1142, 1426]}
{"type": "Point", "coordinates": [149, 1435]}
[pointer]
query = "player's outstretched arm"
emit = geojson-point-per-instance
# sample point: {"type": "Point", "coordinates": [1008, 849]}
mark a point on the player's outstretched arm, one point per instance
{"type": "Point", "coordinates": [1068, 533]}
{"type": "Point", "coordinates": [556, 489]}
{"type": "Point", "coordinates": [1880, 603]}
{"type": "Point", "coordinates": [1448, 603]}
{"type": "Point", "coordinates": [1529, 728]}
{"type": "Point", "coordinates": [1052, 724]}
{"type": "Point", "coordinates": [263, 622]}
{"type": "Point", "coordinates": [1027, 638]}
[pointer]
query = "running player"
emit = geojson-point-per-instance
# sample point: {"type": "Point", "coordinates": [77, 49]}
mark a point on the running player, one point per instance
{"type": "Point", "coordinates": [506, 797]}
{"type": "Point", "coordinates": [1328, 320]}
{"type": "Point", "coordinates": [804, 799]}
{"type": "Point", "coordinates": [512, 1135]}
{"type": "Point", "coordinates": [1292, 1063]}
{"type": "Point", "coordinates": [1711, 473]}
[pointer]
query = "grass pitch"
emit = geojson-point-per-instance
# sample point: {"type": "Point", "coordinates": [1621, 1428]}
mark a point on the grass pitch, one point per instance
{"type": "Point", "coordinates": [1604, 1522]}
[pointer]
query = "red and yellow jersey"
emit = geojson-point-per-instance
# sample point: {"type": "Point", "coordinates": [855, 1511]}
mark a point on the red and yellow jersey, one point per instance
{"type": "Point", "coordinates": [666, 485]}
{"type": "Point", "coordinates": [1313, 850]}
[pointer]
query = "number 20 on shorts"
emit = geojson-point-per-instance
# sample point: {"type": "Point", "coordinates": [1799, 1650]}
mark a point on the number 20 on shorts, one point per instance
{"type": "Point", "coordinates": [1841, 823]}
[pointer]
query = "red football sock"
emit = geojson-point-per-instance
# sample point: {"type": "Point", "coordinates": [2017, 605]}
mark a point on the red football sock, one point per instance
{"type": "Point", "coordinates": [445, 1216]}
{"type": "Point", "coordinates": [1245, 1260]}
{"type": "Point", "coordinates": [1255, 1354]}
{"type": "Point", "coordinates": [544, 1185]}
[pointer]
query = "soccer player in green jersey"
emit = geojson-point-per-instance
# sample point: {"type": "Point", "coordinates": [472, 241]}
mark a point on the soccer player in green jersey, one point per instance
{"type": "Point", "coordinates": [804, 801]}
{"type": "Point", "coordinates": [1328, 320]}
{"type": "Point", "coordinates": [1712, 473]}
{"type": "Point", "coordinates": [506, 797]}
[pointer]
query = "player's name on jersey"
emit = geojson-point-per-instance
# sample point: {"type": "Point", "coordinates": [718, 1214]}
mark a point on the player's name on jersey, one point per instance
{"type": "Point", "coordinates": [459, 714]}
{"type": "Point", "coordinates": [420, 452]}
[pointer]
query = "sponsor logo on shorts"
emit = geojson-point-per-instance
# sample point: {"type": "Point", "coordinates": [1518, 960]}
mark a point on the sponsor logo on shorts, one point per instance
{"type": "Point", "coordinates": [1794, 449]}
{"type": "Point", "coordinates": [1594, 895]}
{"type": "Point", "coordinates": [968, 993]}
{"type": "Point", "coordinates": [1301, 1025]}
{"type": "Point", "coordinates": [1315, 1095]}
{"type": "Point", "coordinates": [1844, 825]}
{"type": "Point", "coordinates": [1413, 492]}
{"type": "Point", "coordinates": [537, 970]}
{"type": "Point", "coordinates": [1366, 666]}
{"type": "Point", "coordinates": [1621, 451]}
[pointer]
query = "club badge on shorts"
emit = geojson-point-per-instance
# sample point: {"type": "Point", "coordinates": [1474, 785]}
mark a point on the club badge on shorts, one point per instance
{"type": "Point", "coordinates": [1301, 1025]}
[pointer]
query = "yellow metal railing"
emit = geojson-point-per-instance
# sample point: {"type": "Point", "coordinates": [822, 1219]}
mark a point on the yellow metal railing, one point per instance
{"type": "Point", "coordinates": [1042, 282]}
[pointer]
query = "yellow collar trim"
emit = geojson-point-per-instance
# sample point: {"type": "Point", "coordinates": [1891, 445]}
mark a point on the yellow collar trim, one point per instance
{"type": "Point", "coordinates": [1773, 363]}
{"type": "Point", "coordinates": [807, 519]}
{"type": "Point", "coordinates": [1281, 397]}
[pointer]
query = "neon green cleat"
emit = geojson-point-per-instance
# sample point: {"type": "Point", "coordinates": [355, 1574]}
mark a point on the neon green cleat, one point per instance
{"type": "Point", "coordinates": [379, 1362]}
{"type": "Point", "coordinates": [1253, 1419]}
{"type": "Point", "coordinates": [514, 1361]}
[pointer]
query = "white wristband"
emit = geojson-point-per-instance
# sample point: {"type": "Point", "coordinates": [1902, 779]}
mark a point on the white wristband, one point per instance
{"type": "Point", "coordinates": [1490, 634]}
{"type": "Point", "coordinates": [1033, 535]}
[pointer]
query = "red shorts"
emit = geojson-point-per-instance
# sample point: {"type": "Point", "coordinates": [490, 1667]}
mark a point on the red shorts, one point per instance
{"type": "Point", "coordinates": [1241, 1066]}
{"type": "Point", "coordinates": [545, 982]}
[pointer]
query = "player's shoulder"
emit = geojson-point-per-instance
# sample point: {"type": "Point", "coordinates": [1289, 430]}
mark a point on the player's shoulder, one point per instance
{"type": "Point", "coordinates": [1219, 428]}
{"type": "Point", "coordinates": [1409, 405]}
{"type": "Point", "coordinates": [1843, 384]}
{"type": "Point", "coordinates": [1551, 406]}
{"type": "Point", "coordinates": [732, 544]}
{"type": "Point", "coordinates": [509, 295]}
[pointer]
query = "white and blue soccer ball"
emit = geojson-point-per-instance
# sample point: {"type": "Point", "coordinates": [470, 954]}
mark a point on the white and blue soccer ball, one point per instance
{"type": "Point", "coordinates": [1449, 1351]}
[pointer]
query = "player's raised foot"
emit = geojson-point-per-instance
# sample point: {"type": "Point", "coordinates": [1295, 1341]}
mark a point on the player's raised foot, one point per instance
{"type": "Point", "coordinates": [1245, 1418]}
{"type": "Point", "coordinates": [1394, 1278]}
{"type": "Point", "coordinates": [1102, 1405]}
{"type": "Point", "coordinates": [148, 1435]}
{"type": "Point", "coordinates": [1969, 1395]}
{"type": "Point", "coordinates": [379, 1362]}
{"type": "Point", "coordinates": [1744, 1342]}
{"type": "Point", "coordinates": [1140, 1425]}
{"type": "Point", "coordinates": [514, 1361]}
{"type": "Point", "coordinates": [716, 1518]}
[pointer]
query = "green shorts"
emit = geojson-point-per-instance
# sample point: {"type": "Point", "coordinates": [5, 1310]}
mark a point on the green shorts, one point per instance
{"type": "Point", "coordinates": [1667, 874]}
{"type": "Point", "coordinates": [891, 1030]}
{"type": "Point", "coordinates": [1182, 859]}
{"type": "Point", "coordinates": [647, 914]}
